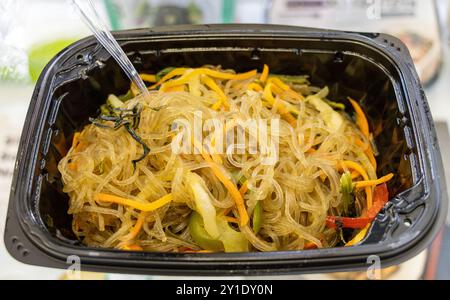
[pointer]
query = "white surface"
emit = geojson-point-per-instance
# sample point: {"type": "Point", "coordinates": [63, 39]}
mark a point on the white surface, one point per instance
{"type": "Point", "coordinates": [409, 270]}
{"type": "Point", "coordinates": [13, 106]}
{"type": "Point", "coordinates": [438, 93]}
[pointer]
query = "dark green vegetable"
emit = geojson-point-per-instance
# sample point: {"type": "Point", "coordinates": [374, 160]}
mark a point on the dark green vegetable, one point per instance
{"type": "Point", "coordinates": [139, 140]}
{"type": "Point", "coordinates": [113, 111]}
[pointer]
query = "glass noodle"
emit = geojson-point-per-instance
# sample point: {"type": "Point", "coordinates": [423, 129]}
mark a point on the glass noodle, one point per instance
{"type": "Point", "coordinates": [122, 197]}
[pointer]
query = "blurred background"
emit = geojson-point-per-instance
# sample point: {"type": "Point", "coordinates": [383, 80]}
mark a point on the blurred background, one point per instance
{"type": "Point", "coordinates": [32, 32]}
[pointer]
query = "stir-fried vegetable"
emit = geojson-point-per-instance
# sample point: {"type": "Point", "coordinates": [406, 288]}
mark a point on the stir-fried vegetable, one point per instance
{"type": "Point", "coordinates": [148, 77]}
{"type": "Point", "coordinates": [232, 189]}
{"type": "Point", "coordinates": [161, 74]}
{"type": "Point", "coordinates": [200, 235]}
{"type": "Point", "coordinates": [151, 206]}
{"type": "Point", "coordinates": [361, 119]}
{"type": "Point", "coordinates": [217, 210]}
{"type": "Point", "coordinates": [332, 119]}
{"type": "Point", "coordinates": [381, 196]}
{"type": "Point", "coordinates": [257, 217]}
{"type": "Point", "coordinates": [203, 203]}
{"type": "Point", "coordinates": [346, 191]}
{"type": "Point", "coordinates": [228, 239]}
{"type": "Point", "coordinates": [264, 74]}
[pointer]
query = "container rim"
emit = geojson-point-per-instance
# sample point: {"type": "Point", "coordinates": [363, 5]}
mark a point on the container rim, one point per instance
{"type": "Point", "coordinates": [430, 164]}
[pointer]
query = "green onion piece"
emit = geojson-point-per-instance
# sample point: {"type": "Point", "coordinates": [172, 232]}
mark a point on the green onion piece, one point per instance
{"type": "Point", "coordinates": [257, 217]}
{"type": "Point", "coordinates": [335, 105]}
{"type": "Point", "coordinates": [346, 191]}
{"type": "Point", "coordinates": [292, 79]}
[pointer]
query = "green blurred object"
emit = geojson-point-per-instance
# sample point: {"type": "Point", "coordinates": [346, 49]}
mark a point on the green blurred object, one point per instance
{"type": "Point", "coordinates": [228, 7]}
{"type": "Point", "coordinates": [39, 55]}
{"type": "Point", "coordinates": [113, 14]}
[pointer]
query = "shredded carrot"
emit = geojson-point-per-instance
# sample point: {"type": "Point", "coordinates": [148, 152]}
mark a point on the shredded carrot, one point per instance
{"type": "Point", "coordinates": [213, 86]}
{"type": "Point", "coordinates": [358, 237]}
{"type": "Point", "coordinates": [295, 95]}
{"type": "Point", "coordinates": [311, 150]}
{"type": "Point", "coordinates": [361, 119]}
{"type": "Point", "coordinates": [283, 111]}
{"type": "Point", "coordinates": [132, 247]}
{"type": "Point", "coordinates": [232, 220]}
{"type": "Point", "coordinates": [224, 75]}
{"type": "Point", "coordinates": [227, 211]}
{"type": "Point", "coordinates": [354, 174]}
{"type": "Point", "coordinates": [361, 144]}
{"type": "Point", "coordinates": [284, 87]}
{"type": "Point", "coordinates": [79, 146]}
{"type": "Point", "coordinates": [368, 151]}
{"type": "Point", "coordinates": [137, 227]}
{"type": "Point", "coordinates": [189, 250]}
{"type": "Point", "coordinates": [76, 136]}
{"type": "Point", "coordinates": [355, 166]}
{"type": "Point", "coordinates": [178, 88]}
{"type": "Point", "coordinates": [145, 207]}
{"type": "Point", "coordinates": [148, 77]}
{"type": "Point", "coordinates": [310, 245]}
{"type": "Point", "coordinates": [365, 183]}
{"type": "Point", "coordinates": [276, 81]}
{"type": "Point", "coordinates": [216, 158]}
{"type": "Point", "coordinates": [171, 74]}
{"type": "Point", "coordinates": [72, 166]}
{"type": "Point", "coordinates": [77, 225]}
{"type": "Point", "coordinates": [264, 74]}
{"type": "Point", "coordinates": [234, 192]}
{"type": "Point", "coordinates": [76, 145]}
{"type": "Point", "coordinates": [230, 76]}
{"type": "Point", "coordinates": [217, 105]}
{"type": "Point", "coordinates": [254, 87]}
{"type": "Point", "coordinates": [289, 107]}
{"type": "Point", "coordinates": [323, 176]}
{"type": "Point", "coordinates": [212, 73]}
{"type": "Point", "coordinates": [371, 157]}
{"type": "Point", "coordinates": [244, 188]}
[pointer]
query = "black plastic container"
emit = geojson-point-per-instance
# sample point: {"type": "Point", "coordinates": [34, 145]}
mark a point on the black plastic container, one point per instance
{"type": "Point", "coordinates": [376, 68]}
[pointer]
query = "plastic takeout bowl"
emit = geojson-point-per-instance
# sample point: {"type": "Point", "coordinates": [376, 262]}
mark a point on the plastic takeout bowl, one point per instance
{"type": "Point", "coordinates": [376, 68]}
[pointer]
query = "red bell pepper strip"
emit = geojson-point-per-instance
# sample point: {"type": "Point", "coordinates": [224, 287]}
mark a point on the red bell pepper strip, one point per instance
{"type": "Point", "coordinates": [380, 196]}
